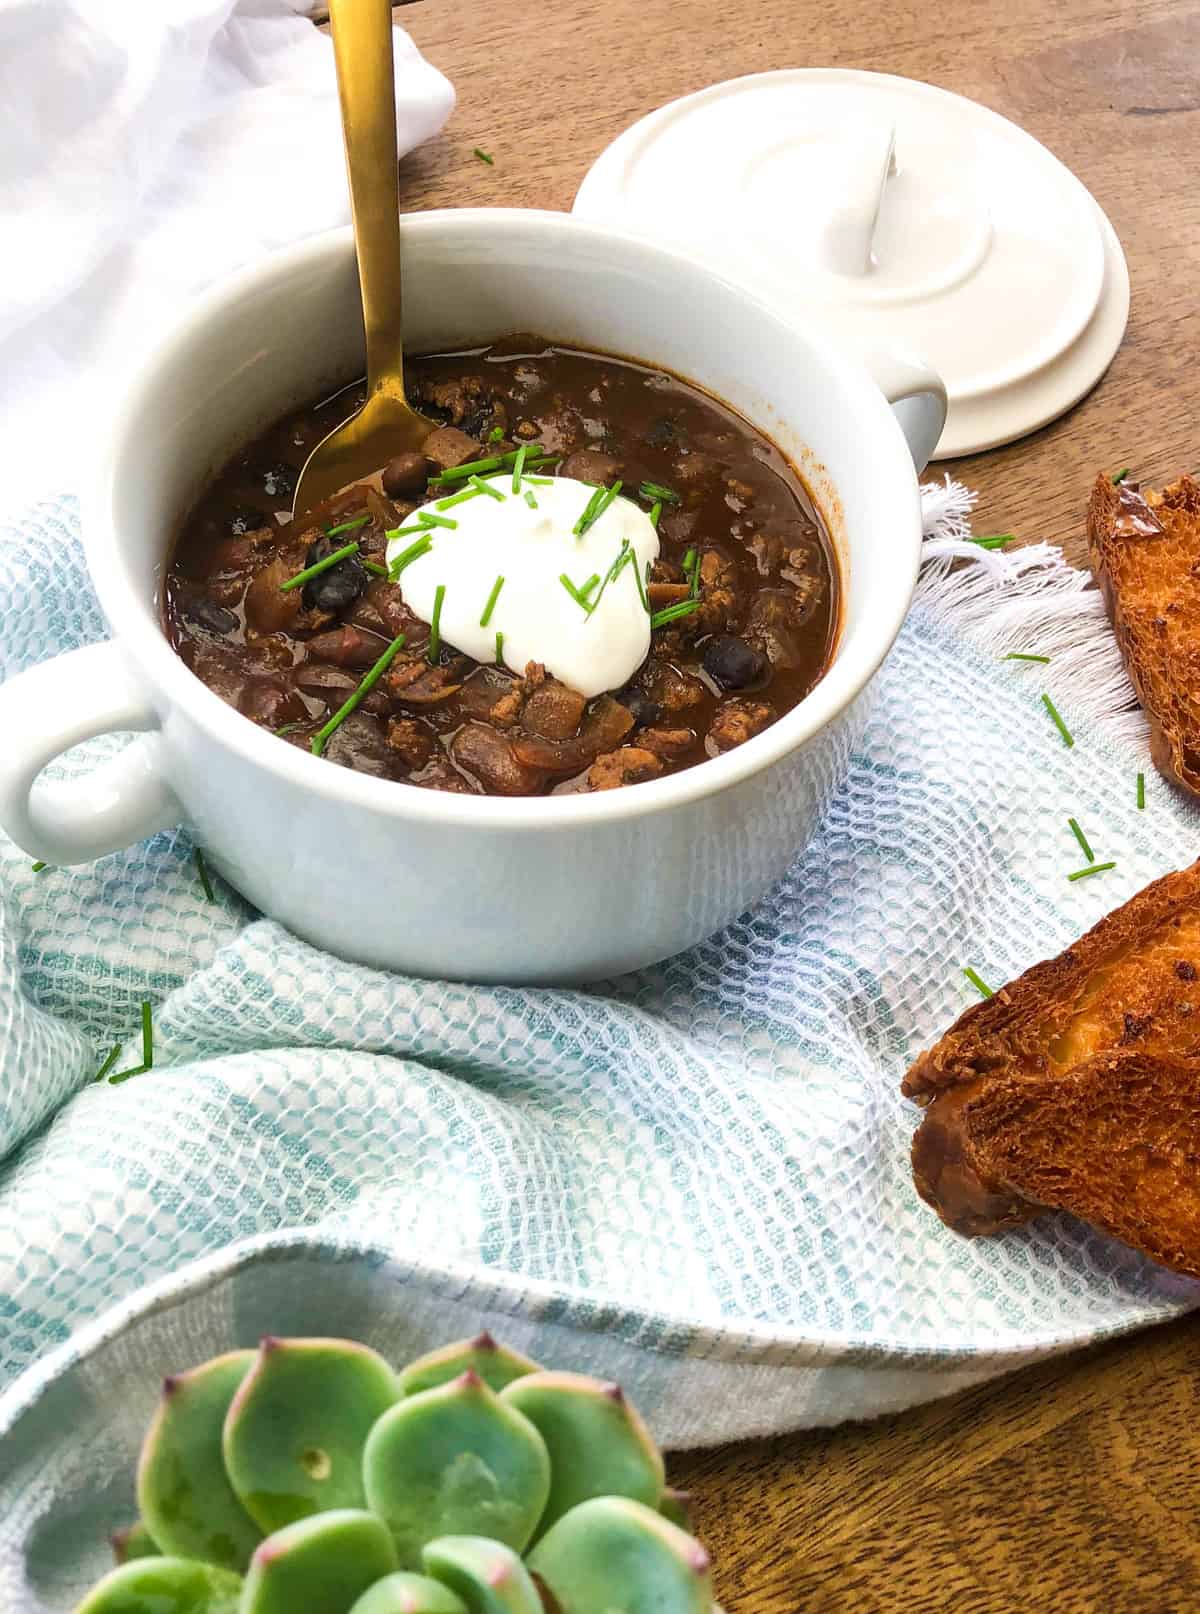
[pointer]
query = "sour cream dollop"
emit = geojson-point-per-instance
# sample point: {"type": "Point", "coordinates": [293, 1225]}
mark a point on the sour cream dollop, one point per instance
{"type": "Point", "coordinates": [531, 548]}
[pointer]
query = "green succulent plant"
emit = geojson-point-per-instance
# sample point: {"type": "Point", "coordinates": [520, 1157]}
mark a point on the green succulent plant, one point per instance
{"type": "Point", "coordinates": [310, 1477]}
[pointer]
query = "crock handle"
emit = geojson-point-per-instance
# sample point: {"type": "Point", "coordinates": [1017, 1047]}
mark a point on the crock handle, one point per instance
{"type": "Point", "coordinates": [48, 709]}
{"type": "Point", "coordinates": [917, 395]}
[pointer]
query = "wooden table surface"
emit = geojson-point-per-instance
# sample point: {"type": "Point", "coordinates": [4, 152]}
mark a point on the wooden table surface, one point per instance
{"type": "Point", "coordinates": [1075, 1486]}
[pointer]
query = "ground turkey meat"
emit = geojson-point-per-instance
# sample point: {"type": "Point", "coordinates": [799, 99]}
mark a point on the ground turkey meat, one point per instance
{"type": "Point", "coordinates": [629, 766]}
{"type": "Point", "coordinates": [737, 721]}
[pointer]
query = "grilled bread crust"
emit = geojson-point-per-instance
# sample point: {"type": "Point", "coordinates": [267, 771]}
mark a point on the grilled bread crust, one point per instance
{"type": "Point", "coordinates": [1077, 1087]}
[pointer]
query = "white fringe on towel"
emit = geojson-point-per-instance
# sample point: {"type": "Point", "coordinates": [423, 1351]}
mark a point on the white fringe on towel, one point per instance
{"type": "Point", "coordinates": [1028, 600]}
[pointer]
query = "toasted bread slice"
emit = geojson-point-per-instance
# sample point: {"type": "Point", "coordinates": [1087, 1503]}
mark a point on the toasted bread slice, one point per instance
{"type": "Point", "coordinates": [1116, 1141]}
{"type": "Point", "coordinates": [1145, 554]}
{"type": "Point", "coordinates": [1130, 986]}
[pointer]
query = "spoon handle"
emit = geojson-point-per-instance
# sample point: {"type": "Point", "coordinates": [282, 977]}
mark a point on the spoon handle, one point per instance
{"type": "Point", "coordinates": [362, 45]}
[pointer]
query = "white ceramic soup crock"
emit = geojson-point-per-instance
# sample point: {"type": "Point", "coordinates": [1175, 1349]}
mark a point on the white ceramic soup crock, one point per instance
{"type": "Point", "coordinates": [546, 889]}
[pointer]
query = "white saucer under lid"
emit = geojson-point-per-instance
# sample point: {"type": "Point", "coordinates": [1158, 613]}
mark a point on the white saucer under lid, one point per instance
{"type": "Point", "coordinates": [898, 214]}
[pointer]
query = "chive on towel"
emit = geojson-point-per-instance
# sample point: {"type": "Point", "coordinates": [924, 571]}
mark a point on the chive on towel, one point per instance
{"type": "Point", "coordinates": [695, 1177]}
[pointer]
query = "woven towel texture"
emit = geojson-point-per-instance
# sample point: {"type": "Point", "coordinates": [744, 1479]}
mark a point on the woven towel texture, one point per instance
{"type": "Point", "coordinates": [714, 1143]}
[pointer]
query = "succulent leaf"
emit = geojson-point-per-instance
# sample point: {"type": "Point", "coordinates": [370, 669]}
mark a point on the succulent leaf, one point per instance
{"type": "Point", "coordinates": [164, 1586]}
{"type": "Point", "coordinates": [320, 1565]}
{"type": "Point", "coordinates": [495, 1364]}
{"type": "Point", "coordinates": [597, 1441]}
{"type": "Point", "coordinates": [456, 1460]}
{"type": "Point", "coordinates": [294, 1434]}
{"type": "Point", "coordinates": [487, 1575]}
{"type": "Point", "coordinates": [677, 1506]}
{"type": "Point", "coordinates": [185, 1497]}
{"type": "Point", "coordinates": [135, 1541]}
{"type": "Point", "coordinates": [615, 1556]}
{"type": "Point", "coordinates": [404, 1593]}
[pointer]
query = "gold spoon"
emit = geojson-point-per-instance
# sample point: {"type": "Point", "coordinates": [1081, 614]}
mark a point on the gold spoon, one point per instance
{"type": "Point", "coordinates": [386, 424]}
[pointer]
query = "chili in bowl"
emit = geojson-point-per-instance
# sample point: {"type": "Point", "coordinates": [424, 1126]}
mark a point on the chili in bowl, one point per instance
{"type": "Point", "coordinates": [521, 865]}
{"type": "Point", "coordinates": [594, 575]}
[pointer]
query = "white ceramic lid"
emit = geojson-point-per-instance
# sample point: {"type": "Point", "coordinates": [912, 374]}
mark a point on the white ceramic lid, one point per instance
{"type": "Point", "coordinates": [902, 216]}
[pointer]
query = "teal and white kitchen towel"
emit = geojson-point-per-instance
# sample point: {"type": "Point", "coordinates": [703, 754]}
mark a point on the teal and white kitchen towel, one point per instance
{"type": "Point", "coordinates": [700, 1170]}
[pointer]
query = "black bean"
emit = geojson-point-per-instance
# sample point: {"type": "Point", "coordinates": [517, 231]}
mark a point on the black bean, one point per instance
{"type": "Point", "coordinates": [360, 743]}
{"type": "Point", "coordinates": [208, 614]}
{"type": "Point", "coordinates": [477, 422]}
{"type": "Point", "coordinates": [340, 585]}
{"type": "Point", "coordinates": [645, 711]}
{"type": "Point", "coordinates": [733, 663]}
{"type": "Point", "coordinates": [661, 433]}
{"type": "Point", "coordinates": [279, 481]}
{"type": "Point", "coordinates": [404, 474]}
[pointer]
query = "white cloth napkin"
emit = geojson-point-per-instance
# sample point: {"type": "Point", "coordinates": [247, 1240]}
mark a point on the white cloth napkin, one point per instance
{"type": "Point", "coordinates": [147, 148]}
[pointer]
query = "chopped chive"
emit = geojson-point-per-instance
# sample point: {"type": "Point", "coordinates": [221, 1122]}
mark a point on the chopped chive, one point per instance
{"type": "Point", "coordinates": [1141, 790]}
{"type": "Point", "coordinates": [418, 527]}
{"type": "Point", "coordinates": [1058, 722]}
{"type": "Point", "coordinates": [576, 594]}
{"type": "Point", "coordinates": [1020, 655]}
{"type": "Point", "coordinates": [147, 1050]}
{"type": "Point", "coordinates": [499, 648]}
{"type": "Point", "coordinates": [457, 498]}
{"type": "Point", "coordinates": [540, 481]}
{"type": "Point", "coordinates": [429, 518]}
{"type": "Point", "coordinates": [655, 512]}
{"type": "Point", "coordinates": [672, 613]}
{"type": "Point", "coordinates": [147, 1036]}
{"type": "Point", "coordinates": [614, 571]}
{"type": "Point", "coordinates": [1083, 841]}
{"type": "Point", "coordinates": [980, 985]}
{"type": "Point", "coordinates": [1096, 868]}
{"type": "Point", "coordinates": [286, 729]}
{"type": "Point", "coordinates": [530, 500]}
{"type": "Point", "coordinates": [597, 505]}
{"type": "Point", "coordinates": [491, 602]}
{"type": "Point", "coordinates": [434, 649]}
{"type": "Point", "coordinates": [108, 1064]}
{"type": "Point", "coordinates": [494, 462]}
{"type": "Point", "coordinates": [656, 491]}
{"type": "Point", "coordinates": [1120, 476]}
{"type": "Point", "coordinates": [363, 690]}
{"type": "Point", "coordinates": [415, 550]}
{"type": "Point", "coordinates": [347, 526]}
{"type": "Point", "coordinates": [606, 498]}
{"type": "Point", "coordinates": [691, 569]}
{"type": "Point", "coordinates": [586, 588]}
{"type": "Point", "coordinates": [996, 540]}
{"type": "Point", "coordinates": [320, 566]}
{"type": "Point", "coordinates": [484, 156]}
{"type": "Point", "coordinates": [486, 487]}
{"type": "Point", "coordinates": [38, 867]}
{"type": "Point", "coordinates": [202, 871]}
{"type": "Point", "coordinates": [518, 468]}
{"type": "Point", "coordinates": [641, 583]}
{"type": "Point", "coordinates": [496, 433]}
{"type": "Point", "coordinates": [459, 473]}
{"type": "Point", "coordinates": [585, 520]}
{"type": "Point", "coordinates": [374, 566]}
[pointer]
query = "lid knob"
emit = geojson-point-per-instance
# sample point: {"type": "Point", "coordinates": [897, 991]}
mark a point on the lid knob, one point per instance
{"type": "Point", "coordinates": [868, 162]}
